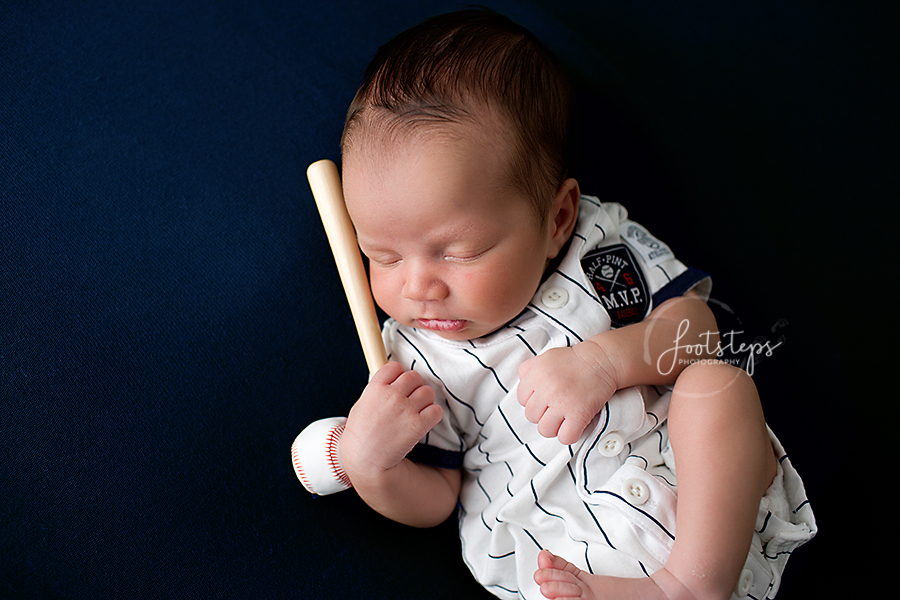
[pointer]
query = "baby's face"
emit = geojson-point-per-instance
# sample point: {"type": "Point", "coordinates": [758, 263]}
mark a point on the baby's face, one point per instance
{"type": "Point", "coordinates": [453, 249]}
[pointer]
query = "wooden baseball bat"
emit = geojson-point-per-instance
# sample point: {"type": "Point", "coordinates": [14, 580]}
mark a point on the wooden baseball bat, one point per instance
{"type": "Point", "coordinates": [326, 188]}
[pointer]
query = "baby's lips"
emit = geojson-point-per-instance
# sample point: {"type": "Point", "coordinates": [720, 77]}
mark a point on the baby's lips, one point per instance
{"type": "Point", "coordinates": [442, 325]}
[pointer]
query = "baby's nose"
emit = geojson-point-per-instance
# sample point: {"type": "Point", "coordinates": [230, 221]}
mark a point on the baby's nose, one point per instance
{"type": "Point", "coordinates": [421, 284]}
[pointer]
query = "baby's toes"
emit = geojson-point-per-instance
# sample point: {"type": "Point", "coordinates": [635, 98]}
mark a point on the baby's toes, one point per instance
{"type": "Point", "coordinates": [548, 560]}
{"type": "Point", "coordinates": [557, 577]}
{"type": "Point", "coordinates": [561, 589]}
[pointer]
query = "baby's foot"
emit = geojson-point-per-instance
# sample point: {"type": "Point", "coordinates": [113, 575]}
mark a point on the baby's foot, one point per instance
{"type": "Point", "coordinates": [559, 578]}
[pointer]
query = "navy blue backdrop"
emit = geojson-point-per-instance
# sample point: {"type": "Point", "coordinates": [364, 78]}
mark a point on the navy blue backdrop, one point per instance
{"type": "Point", "coordinates": [170, 315]}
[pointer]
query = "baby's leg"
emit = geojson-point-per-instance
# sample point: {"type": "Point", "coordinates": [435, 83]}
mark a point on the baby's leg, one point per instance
{"type": "Point", "coordinates": [724, 462]}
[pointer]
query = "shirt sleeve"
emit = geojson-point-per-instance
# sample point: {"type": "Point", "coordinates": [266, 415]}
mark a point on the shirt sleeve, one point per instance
{"type": "Point", "coordinates": [666, 275]}
{"type": "Point", "coordinates": [630, 270]}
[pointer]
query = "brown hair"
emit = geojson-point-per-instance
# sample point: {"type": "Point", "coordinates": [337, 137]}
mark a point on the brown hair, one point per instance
{"type": "Point", "coordinates": [449, 68]}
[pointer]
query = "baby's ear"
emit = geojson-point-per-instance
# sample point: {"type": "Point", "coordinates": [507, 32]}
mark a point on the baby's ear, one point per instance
{"type": "Point", "coordinates": [563, 215]}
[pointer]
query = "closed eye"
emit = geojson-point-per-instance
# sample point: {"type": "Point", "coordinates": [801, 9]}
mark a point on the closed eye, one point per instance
{"type": "Point", "coordinates": [382, 259]}
{"type": "Point", "coordinates": [385, 262]}
{"type": "Point", "coordinates": [465, 258]}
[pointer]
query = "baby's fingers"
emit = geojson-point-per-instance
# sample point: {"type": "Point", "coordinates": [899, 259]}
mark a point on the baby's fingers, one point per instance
{"type": "Point", "coordinates": [550, 422]}
{"type": "Point", "coordinates": [421, 397]}
{"type": "Point", "coordinates": [534, 409]}
{"type": "Point", "coordinates": [430, 416]}
{"type": "Point", "coordinates": [387, 374]}
{"type": "Point", "coordinates": [420, 415]}
{"type": "Point", "coordinates": [525, 390]}
{"type": "Point", "coordinates": [409, 383]}
{"type": "Point", "coordinates": [421, 412]}
{"type": "Point", "coordinates": [570, 430]}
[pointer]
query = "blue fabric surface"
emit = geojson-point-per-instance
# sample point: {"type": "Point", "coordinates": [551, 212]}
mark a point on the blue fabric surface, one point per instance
{"type": "Point", "coordinates": [170, 315]}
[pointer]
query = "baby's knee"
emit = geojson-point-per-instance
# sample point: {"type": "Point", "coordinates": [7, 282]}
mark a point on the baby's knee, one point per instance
{"type": "Point", "coordinates": [719, 395]}
{"type": "Point", "coordinates": [721, 400]}
{"type": "Point", "coordinates": [715, 379]}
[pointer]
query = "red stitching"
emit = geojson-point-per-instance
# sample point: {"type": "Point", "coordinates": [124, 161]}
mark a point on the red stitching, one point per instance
{"type": "Point", "coordinates": [331, 449]}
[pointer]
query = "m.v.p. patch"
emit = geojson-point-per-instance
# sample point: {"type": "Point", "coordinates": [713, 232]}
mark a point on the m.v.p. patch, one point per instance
{"type": "Point", "coordinates": [619, 283]}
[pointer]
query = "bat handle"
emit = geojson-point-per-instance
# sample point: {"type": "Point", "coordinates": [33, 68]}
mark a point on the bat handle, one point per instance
{"type": "Point", "coordinates": [326, 188]}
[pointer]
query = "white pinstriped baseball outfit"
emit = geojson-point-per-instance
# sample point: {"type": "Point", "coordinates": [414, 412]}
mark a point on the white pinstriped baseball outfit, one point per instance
{"type": "Point", "coordinates": [607, 502]}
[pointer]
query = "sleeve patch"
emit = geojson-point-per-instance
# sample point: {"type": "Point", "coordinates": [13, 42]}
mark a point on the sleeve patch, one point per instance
{"type": "Point", "coordinates": [619, 282]}
{"type": "Point", "coordinates": [651, 249]}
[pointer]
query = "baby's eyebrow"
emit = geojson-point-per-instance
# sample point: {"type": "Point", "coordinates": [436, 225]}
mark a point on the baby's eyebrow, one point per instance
{"type": "Point", "coordinates": [375, 249]}
{"type": "Point", "coordinates": [362, 241]}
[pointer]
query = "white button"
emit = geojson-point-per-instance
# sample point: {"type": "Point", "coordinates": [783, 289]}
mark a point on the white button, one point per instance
{"type": "Point", "coordinates": [555, 297]}
{"type": "Point", "coordinates": [635, 491]}
{"type": "Point", "coordinates": [611, 444]}
{"type": "Point", "coordinates": [745, 582]}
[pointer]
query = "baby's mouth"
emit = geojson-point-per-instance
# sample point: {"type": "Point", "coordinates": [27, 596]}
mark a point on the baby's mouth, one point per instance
{"type": "Point", "coordinates": [442, 325]}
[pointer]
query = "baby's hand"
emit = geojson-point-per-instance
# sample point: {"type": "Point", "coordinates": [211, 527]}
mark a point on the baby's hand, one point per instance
{"type": "Point", "coordinates": [564, 388]}
{"type": "Point", "coordinates": [395, 411]}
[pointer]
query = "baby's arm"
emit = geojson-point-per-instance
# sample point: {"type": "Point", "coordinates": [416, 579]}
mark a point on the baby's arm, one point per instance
{"type": "Point", "coordinates": [395, 411]}
{"type": "Point", "coordinates": [563, 388]}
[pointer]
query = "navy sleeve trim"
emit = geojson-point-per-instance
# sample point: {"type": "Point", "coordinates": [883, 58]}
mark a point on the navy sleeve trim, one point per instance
{"type": "Point", "coordinates": [436, 457]}
{"type": "Point", "coordinates": [679, 285]}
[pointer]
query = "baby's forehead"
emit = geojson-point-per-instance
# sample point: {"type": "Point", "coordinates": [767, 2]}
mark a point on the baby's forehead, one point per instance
{"type": "Point", "coordinates": [387, 130]}
{"type": "Point", "coordinates": [377, 159]}
{"type": "Point", "coordinates": [376, 149]}
{"type": "Point", "coordinates": [380, 137]}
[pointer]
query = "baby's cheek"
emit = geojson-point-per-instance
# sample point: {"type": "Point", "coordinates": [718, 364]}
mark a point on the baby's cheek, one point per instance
{"type": "Point", "coordinates": [383, 291]}
{"type": "Point", "coordinates": [507, 290]}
